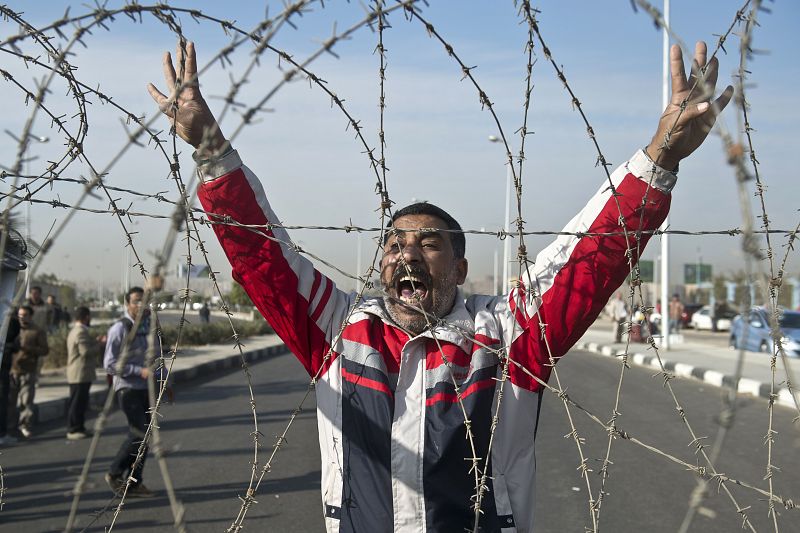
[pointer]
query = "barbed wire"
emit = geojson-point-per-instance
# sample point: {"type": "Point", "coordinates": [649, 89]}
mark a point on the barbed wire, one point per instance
{"type": "Point", "coordinates": [188, 220]}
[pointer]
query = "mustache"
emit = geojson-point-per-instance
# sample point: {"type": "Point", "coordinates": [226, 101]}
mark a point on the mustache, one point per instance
{"type": "Point", "coordinates": [417, 272]}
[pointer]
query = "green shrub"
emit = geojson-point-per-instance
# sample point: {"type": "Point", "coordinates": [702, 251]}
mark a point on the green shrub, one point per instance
{"type": "Point", "coordinates": [192, 335]}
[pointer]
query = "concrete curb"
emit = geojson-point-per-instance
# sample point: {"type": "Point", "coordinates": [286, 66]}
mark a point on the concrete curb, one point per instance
{"type": "Point", "coordinates": [56, 409]}
{"type": "Point", "coordinates": [712, 377]}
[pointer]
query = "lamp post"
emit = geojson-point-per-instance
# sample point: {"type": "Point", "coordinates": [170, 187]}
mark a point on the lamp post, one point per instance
{"type": "Point", "coordinates": [664, 236]}
{"type": "Point", "coordinates": [42, 140]}
{"type": "Point", "coordinates": [506, 251]}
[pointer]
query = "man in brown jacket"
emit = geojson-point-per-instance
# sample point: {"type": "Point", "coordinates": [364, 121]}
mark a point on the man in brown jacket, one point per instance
{"type": "Point", "coordinates": [31, 344]}
{"type": "Point", "coordinates": [83, 354]}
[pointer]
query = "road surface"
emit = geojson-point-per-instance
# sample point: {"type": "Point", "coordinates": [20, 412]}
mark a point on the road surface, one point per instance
{"type": "Point", "coordinates": [208, 433]}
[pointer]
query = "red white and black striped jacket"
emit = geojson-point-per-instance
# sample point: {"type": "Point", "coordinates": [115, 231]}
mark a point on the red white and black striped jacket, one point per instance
{"type": "Point", "coordinates": [391, 431]}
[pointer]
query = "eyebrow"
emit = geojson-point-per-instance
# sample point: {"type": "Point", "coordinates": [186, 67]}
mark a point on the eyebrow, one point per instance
{"type": "Point", "coordinates": [423, 232]}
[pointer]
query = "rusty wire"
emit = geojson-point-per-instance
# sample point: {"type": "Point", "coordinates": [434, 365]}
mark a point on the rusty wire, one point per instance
{"type": "Point", "coordinates": [190, 219]}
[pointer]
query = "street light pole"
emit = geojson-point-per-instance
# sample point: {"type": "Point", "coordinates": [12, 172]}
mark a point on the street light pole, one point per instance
{"type": "Point", "coordinates": [506, 244]}
{"type": "Point", "coordinates": [26, 168]}
{"type": "Point", "coordinates": [664, 236]}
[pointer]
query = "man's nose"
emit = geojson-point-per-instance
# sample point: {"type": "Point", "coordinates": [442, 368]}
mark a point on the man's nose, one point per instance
{"type": "Point", "coordinates": [411, 253]}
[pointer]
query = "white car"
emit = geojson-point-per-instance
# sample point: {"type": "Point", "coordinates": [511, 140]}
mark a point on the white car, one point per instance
{"type": "Point", "coordinates": [701, 319]}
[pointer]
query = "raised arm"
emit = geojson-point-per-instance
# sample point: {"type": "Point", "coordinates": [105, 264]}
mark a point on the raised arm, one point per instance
{"type": "Point", "coordinates": [573, 278]}
{"type": "Point", "coordinates": [303, 306]}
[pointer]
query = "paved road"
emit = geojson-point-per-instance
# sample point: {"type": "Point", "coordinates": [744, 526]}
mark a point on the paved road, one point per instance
{"type": "Point", "coordinates": [208, 431]}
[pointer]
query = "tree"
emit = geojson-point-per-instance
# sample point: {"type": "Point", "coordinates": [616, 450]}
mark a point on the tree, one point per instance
{"type": "Point", "coordinates": [237, 296]}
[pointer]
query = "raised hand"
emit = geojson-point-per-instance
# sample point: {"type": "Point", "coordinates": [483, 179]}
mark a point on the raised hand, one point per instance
{"type": "Point", "coordinates": [188, 111]}
{"type": "Point", "coordinates": [673, 140]}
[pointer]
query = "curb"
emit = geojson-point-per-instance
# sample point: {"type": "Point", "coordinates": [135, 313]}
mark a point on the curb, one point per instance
{"type": "Point", "coordinates": [56, 409]}
{"type": "Point", "coordinates": [712, 377]}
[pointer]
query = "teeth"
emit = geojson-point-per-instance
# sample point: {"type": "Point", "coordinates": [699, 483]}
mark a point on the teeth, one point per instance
{"type": "Point", "coordinates": [412, 279]}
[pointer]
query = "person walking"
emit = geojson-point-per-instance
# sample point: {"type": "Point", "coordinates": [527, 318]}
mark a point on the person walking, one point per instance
{"type": "Point", "coordinates": [130, 386]}
{"type": "Point", "coordinates": [83, 353]}
{"type": "Point", "coordinates": [205, 313]}
{"type": "Point", "coordinates": [618, 309]}
{"type": "Point", "coordinates": [675, 313]}
{"type": "Point", "coordinates": [42, 312]}
{"type": "Point", "coordinates": [29, 347]}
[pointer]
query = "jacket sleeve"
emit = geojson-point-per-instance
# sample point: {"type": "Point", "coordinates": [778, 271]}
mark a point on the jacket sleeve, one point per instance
{"type": "Point", "coordinates": [86, 346]}
{"type": "Point", "coordinates": [303, 306]}
{"type": "Point", "coordinates": [571, 280]}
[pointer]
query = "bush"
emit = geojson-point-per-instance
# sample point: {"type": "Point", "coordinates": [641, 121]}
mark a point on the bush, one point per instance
{"type": "Point", "coordinates": [192, 335]}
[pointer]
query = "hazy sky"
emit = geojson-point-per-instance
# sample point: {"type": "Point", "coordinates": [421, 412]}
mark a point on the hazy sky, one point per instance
{"type": "Point", "coordinates": [438, 150]}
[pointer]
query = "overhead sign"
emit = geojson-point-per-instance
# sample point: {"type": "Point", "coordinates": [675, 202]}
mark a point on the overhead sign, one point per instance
{"type": "Point", "coordinates": [696, 273]}
{"type": "Point", "coordinates": [645, 271]}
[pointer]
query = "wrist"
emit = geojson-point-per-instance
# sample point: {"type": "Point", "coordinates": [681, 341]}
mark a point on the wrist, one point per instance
{"type": "Point", "coordinates": [661, 157]}
{"type": "Point", "coordinates": [212, 145]}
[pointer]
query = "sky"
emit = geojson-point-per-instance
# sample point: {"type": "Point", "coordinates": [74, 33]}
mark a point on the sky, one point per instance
{"type": "Point", "coordinates": [437, 134]}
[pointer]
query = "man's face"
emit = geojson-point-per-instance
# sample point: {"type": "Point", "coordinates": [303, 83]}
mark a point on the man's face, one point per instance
{"type": "Point", "coordinates": [24, 318]}
{"type": "Point", "coordinates": [134, 304]}
{"type": "Point", "coordinates": [420, 269]}
{"type": "Point", "coordinates": [36, 295]}
{"type": "Point", "coordinates": [51, 300]}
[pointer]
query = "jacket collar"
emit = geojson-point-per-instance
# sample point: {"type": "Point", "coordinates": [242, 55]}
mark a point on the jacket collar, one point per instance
{"type": "Point", "coordinates": [457, 323]}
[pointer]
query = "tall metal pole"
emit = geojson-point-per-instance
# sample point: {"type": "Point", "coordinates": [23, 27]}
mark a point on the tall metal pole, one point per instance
{"type": "Point", "coordinates": [506, 243]}
{"type": "Point", "coordinates": [358, 264]}
{"type": "Point", "coordinates": [495, 285]}
{"type": "Point", "coordinates": [665, 237]}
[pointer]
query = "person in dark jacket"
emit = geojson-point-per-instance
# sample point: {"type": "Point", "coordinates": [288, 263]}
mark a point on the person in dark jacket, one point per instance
{"type": "Point", "coordinates": [30, 345]}
{"type": "Point", "coordinates": [5, 379]}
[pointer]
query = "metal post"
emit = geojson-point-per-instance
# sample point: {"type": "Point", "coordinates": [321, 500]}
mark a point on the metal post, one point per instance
{"type": "Point", "coordinates": [358, 263]}
{"type": "Point", "coordinates": [495, 286]}
{"type": "Point", "coordinates": [665, 225]}
{"type": "Point", "coordinates": [506, 243]}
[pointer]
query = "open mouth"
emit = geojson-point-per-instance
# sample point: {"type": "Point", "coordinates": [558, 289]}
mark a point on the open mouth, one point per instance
{"type": "Point", "coordinates": [411, 288]}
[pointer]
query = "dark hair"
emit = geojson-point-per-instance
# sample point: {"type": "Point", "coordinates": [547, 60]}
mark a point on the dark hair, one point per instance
{"type": "Point", "coordinates": [457, 239]}
{"type": "Point", "coordinates": [82, 313]}
{"type": "Point", "coordinates": [36, 288]}
{"type": "Point", "coordinates": [133, 290]}
{"type": "Point", "coordinates": [28, 308]}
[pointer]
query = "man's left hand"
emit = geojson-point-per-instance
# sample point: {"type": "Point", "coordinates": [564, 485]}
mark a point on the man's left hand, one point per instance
{"type": "Point", "coordinates": [681, 132]}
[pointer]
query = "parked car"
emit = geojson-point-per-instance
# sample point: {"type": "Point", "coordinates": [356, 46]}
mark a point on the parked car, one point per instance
{"type": "Point", "coordinates": [752, 332]}
{"type": "Point", "coordinates": [701, 319]}
{"type": "Point", "coordinates": [688, 311]}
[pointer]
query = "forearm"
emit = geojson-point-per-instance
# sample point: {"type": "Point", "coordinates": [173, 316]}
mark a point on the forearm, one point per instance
{"type": "Point", "coordinates": [577, 274]}
{"type": "Point", "coordinates": [303, 306]}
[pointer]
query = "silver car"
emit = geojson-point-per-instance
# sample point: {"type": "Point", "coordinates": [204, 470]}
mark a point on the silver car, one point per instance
{"type": "Point", "coordinates": [753, 334]}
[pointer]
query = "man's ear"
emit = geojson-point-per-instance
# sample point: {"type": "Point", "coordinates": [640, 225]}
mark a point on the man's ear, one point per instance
{"type": "Point", "coordinates": [461, 270]}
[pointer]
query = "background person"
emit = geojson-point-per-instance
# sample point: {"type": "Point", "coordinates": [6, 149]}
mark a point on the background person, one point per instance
{"type": "Point", "coordinates": [618, 309]}
{"type": "Point", "coordinates": [83, 353]}
{"type": "Point", "coordinates": [29, 347]}
{"type": "Point", "coordinates": [5, 378]}
{"type": "Point", "coordinates": [675, 314]}
{"type": "Point", "coordinates": [130, 386]}
{"type": "Point", "coordinates": [42, 312]}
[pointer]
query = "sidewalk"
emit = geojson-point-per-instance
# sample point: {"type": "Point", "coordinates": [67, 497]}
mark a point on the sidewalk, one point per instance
{"type": "Point", "coordinates": [52, 392]}
{"type": "Point", "coordinates": [711, 364]}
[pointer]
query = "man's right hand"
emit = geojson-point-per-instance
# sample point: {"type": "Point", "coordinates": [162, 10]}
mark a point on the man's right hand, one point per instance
{"type": "Point", "coordinates": [144, 372]}
{"type": "Point", "coordinates": [188, 111]}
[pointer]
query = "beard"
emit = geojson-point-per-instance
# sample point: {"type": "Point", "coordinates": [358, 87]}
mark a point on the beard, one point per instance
{"type": "Point", "coordinates": [410, 316]}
